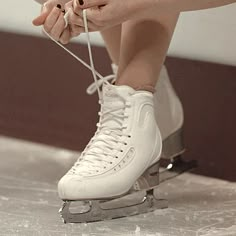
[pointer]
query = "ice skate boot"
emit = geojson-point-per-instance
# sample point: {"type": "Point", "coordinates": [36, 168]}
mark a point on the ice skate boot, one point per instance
{"type": "Point", "coordinates": [169, 116]}
{"type": "Point", "coordinates": [126, 146]}
{"type": "Point", "coordinates": [118, 170]}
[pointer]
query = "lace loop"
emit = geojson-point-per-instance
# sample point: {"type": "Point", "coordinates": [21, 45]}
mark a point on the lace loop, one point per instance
{"type": "Point", "coordinates": [92, 87]}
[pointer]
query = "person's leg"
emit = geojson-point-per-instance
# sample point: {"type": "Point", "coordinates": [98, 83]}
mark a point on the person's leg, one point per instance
{"type": "Point", "coordinates": [144, 44]}
{"type": "Point", "coordinates": [112, 38]}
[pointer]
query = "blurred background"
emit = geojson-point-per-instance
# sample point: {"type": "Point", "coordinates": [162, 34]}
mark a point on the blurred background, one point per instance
{"type": "Point", "coordinates": [43, 90]}
{"type": "Point", "coordinates": [207, 35]}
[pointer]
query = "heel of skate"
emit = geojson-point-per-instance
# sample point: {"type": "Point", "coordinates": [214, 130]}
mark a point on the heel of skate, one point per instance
{"type": "Point", "coordinates": [173, 145]}
{"type": "Point", "coordinates": [176, 167]}
{"type": "Point", "coordinates": [149, 179]}
{"type": "Point", "coordinates": [173, 148]}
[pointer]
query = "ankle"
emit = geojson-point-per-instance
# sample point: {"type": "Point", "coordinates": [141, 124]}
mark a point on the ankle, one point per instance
{"type": "Point", "coordinates": [148, 88]}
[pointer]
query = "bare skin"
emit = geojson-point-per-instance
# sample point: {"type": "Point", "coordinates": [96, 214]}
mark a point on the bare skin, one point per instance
{"type": "Point", "coordinates": [152, 22]}
{"type": "Point", "coordinates": [107, 13]}
{"type": "Point", "coordinates": [112, 39]}
{"type": "Point", "coordinates": [115, 12]}
{"type": "Point", "coordinates": [141, 60]}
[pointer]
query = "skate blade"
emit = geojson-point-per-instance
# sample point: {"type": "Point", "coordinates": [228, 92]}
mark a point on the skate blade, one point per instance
{"type": "Point", "coordinates": [176, 167]}
{"type": "Point", "coordinates": [96, 210]}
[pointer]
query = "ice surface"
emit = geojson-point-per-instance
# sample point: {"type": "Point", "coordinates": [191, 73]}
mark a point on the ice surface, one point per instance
{"type": "Point", "coordinates": [198, 206]}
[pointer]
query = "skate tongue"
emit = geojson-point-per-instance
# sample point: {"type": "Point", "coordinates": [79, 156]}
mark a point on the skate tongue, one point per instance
{"type": "Point", "coordinates": [114, 97]}
{"type": "Point", "coordinates": [114, 93]}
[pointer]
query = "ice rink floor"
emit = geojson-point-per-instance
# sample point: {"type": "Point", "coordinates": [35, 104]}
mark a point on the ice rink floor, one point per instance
{"type": "Point", "coordinates": [29, 203]}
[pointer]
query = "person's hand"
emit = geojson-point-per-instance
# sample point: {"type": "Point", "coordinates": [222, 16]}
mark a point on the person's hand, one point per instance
{"type": "Point", "coordinates": [103, 14]}
{"type": "Point", "coordinates": [52, 19]}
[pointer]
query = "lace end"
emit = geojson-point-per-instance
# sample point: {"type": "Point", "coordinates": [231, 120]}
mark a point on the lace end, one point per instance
{"type": "Point", "coordinates": [66, 18]}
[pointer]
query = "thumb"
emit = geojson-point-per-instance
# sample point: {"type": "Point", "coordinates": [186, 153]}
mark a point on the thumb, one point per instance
{"type": "Point", "coordinates": [43, 16]}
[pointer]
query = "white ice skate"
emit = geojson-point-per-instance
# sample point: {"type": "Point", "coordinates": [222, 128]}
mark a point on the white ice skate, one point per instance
{"type": "Point", "coordinates": [126, 144]}
{"type": "Point", "coordinates": [169, 115]}
{"type": "Point", "coordinates": [119, 168]}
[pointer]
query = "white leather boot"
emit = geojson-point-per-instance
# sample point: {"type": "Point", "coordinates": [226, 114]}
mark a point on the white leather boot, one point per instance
{"type": "Point", "coordinates": [169, 113]}
{"type": "Point", "coordinates": [126, 143]}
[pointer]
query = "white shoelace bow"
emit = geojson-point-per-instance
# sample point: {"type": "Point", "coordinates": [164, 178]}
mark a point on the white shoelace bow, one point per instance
{"type": "Point", "coordinates": [106, 139]}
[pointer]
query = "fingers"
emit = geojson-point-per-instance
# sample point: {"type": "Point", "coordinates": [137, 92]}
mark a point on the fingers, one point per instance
{"type": "Point", "coordinates": [76, 9]}
{"type": "Point", "coordinates": [52, 19]}
{"type": "Point", "coordinates": [58, 27]}
{"type": "Point", "coordinates": [42, 17]}
{"type": "Point", "coordinates": [68, 6]}
{"type": "Point", "coordinates": [75, 20]}
{"type": "Point", "coordinates": [76, 30]}
{"type": "Point", "coordinates": [65, 36]}
{"type": "Point", "coordinates": [46, 9]}
{"type": "Point", "coordinates": [84, 4]}
{"type": "Point", "coordinates": [95, 16]}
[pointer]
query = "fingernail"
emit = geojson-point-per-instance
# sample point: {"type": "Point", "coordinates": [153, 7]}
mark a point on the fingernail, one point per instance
{"type": "Point", "coordinates": [59, 6]}
{"type": "Point", "coordinates": [81, 2]}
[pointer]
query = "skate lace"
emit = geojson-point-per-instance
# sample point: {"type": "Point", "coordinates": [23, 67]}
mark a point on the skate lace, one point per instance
{"type": "Point", "coordinates": [103, 79]}
{"type": "Point", "coordinates": [106, 143]}
{"type": "Point", "coordinates": [103, 147]}
{"type": "Point", "coordinates": [92, 87]}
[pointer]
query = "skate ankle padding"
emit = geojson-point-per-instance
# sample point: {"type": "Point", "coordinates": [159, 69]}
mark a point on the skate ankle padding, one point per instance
{"type": "Point", "coordinates": [148, 88]}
